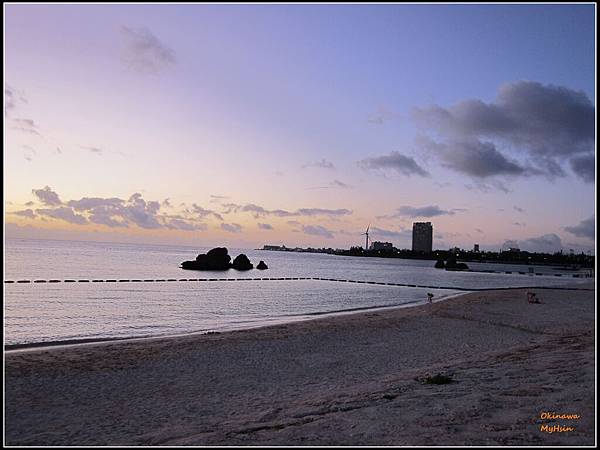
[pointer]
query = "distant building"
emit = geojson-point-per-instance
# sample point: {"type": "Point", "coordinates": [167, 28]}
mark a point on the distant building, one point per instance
{"type": "Point", "coordinates": [381, 245]}
{"type": "Point", "coordinates": [422, 237]}
{"type": "Point", "coordinates": [476, 248]}
{"type": "Point", "coordinates": [274, 247]}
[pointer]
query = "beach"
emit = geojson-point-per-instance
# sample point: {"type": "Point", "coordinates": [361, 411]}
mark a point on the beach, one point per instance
{"type": "Point", "coordinates": [352, 379]}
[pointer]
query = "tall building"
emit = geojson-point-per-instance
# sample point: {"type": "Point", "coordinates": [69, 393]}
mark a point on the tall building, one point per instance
{"type": "Point", "coordinates": [422, 237]}
{"type": "Point", "coordinates": [476, 248]}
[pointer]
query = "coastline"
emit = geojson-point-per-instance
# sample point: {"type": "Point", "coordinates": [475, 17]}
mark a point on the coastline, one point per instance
{"type": "Point", "coordinates": [283, 320]}
{"type": "Point", "coordinates": [340, 379]}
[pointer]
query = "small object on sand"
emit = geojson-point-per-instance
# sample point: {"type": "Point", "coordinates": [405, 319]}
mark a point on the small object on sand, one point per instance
{"type": "Point", "coordinates": [430, 297]}
{"type": "Point", "coordinates": [532, 298]}
{"type": "Point", "coordinates": [436, 379]}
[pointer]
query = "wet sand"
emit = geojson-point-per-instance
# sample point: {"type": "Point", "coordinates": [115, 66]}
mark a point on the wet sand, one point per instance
{"type": "Point", "coordinates": [350, 380]}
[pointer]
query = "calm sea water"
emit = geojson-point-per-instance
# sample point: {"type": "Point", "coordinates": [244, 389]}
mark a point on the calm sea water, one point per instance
{"type": "Point", "coordinates": [37, 313]}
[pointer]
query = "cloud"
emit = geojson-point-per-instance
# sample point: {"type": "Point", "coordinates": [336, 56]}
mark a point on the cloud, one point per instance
{"type": "Point", "coordinates": [518, 209]}
{"type": "Point", "coordinates": [383, 233]}
{"type": "Point", "coordinates": [545, 124]}
{"type": "Point", "coordinates": [144, 52]}
{"type": "Point", "coordinates": [63, 213]}
{"type": "Point", "coordinates": [265, 226]}
{"type": "Point", "coordinates": [322, 212]}
{"type": "Point", "coordinates": [472, 157]}
{"type": "Point", "coordinates": [423, 211]}
{"type": "Point", "coordinates": [584, 166]}
{"type": "Point", "coordinates": [218, 198]}
{"type": "Point", "coordinates": [26, 126]}
{"type": "Point", "coordinates": [202, 213]}
{"type": "Point", "coordinates": [340, 184]}
{"type": "Point", "coordinates": [488, 186]}
{"type": "Point", "coordinates": [519, 224]}
{"type": "Point", "coordinates": [584, 229]}
{"type": "Point", "coordinates": [258, 211]}
{"type": "Point", "coordinates": [404, 165]}
{"type": "Point", "coordinates": [47, 196]}
{"type": "Point", "coordinates": [317, 230]}
{"type": "Point", "coordinates": [12, 98]}
{"type": "Point", "coordinates": [28, 152]}
{"type": "Point", "coordinates": [547, 243]}
{"type": "Point", "coordinates": [323, 164]}
{"type": "Point", "coordinates": [381, 115]}
{"type": "Point", "coordinates": [115, 212]}
{"type": "Point", "coordinates": [24, 213]}
{"type": "Point", "coordinates": [91, 149]}
{"type": "Point", "coordinates": [333, 184]}
{"type": "Point", "coordinates": [232, 228]}
{"type": "Point", "coordinates": [181, 224]}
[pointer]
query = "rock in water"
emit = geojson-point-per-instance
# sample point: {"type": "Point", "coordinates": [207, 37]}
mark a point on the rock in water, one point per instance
{"type": "Point", "coordinates": [262, 266]}
{"type": "Point", "coordinates": [215, 259]}
{"type": "Point", "coordinates": [241, 262]}
{"type": "Point", "coordinates": [451, 264]}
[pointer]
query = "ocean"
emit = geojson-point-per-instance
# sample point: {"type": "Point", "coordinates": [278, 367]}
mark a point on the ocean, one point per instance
{"type": "Point", "coordinates": [38, 313]}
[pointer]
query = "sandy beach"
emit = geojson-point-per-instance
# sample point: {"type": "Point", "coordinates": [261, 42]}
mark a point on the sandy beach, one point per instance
{"type": "Point", "coordinates": [353, 379]}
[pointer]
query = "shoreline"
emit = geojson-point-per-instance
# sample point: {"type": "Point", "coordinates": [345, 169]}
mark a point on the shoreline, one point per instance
{"type": "Point", "coordinates": [284, 320]}
{"type": "Point", "coordinates": [348, 379]}
{"type": "Point", "coordinates": [275, 321]}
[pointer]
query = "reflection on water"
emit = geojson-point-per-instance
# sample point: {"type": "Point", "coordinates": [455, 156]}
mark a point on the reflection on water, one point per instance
{"type": "Point", "coordinates": [64, 311]}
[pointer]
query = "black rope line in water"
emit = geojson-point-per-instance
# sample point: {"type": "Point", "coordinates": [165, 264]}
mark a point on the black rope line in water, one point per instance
{"type": "Point", "coordinates": [380, 283]}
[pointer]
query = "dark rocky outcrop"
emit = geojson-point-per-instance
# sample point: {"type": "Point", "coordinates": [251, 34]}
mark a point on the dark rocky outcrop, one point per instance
{"type": "Point", "coordinates": [451, 264]}
{"type": "Point", "coordinates": [241, 262]}
{"type": "Point", "coordinates": [215, 259]}
{"type": "Point", "coordinates": [262, 266]}
{"type": "Point", "coordinates": [440, 264]}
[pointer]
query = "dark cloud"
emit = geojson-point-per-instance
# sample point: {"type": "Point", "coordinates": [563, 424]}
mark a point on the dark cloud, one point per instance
{"type": "Point", "coordinates": [114, 212]}
{"type": "Point", "coordinates": [473, 157]}
{"type": "Point", "coordinates": [423, 211]}
{"type": "Point", "coordinates": [258, 211]}
{"type": "Point", "coordinates": [24, 213]}
{"type": "Point", "coordinates": [545, 124]}
{"type": "Point", "coordinates": [47, 196]}
{"type": "Point", "coordinates": [317, 230]}
{"type": "Point", "coordinates": [519, 224]}
{"type": "Point", "coordinates": [265, 226]}
{"type": "Point", "coordinates": [340, 184]}
{"type": "Point", "coordinates": [63, 213]}
{"type": "Point", "coordinates": [518, 209]}
{"type": "Point", "coordinates": [144, 52]}
{"type": "Point", "coordinates": [548, 243]}
{"type": "Point", "coordinates": [323, 164]}
{"type": "Point", "coordinates": [232, 228]}
{"type": "Point", "coordinates": [202, 212]}
{"type": "Point", "coordinates": [322, 212]}
{"type": "Point", "coordinates": [584, 166]}
{"type": "Point", "coordinates": [404, 165]}
{"type": "Point", "coordinates": [584, 229]}
{"type": "Point", "coordinates": [488, 186]}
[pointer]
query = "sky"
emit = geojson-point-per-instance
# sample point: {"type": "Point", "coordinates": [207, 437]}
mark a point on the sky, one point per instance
{"type": "Point", "coordinates": [301, 125]}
